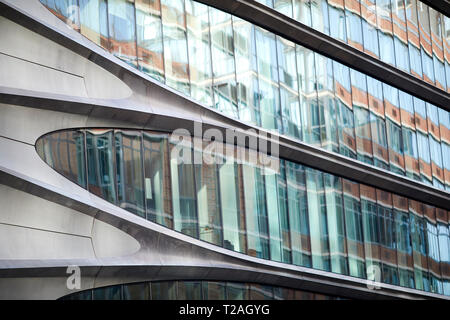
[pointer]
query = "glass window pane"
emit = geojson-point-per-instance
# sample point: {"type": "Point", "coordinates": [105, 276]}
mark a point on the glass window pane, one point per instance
{"type": "Point", "coordinates": [308, 96]}
{"type": "Point", "coordinates": [213, 290]}
{"type": "Point", "coordinates": [319, 16]}
{"type": "Point", "coordinates": [237, 291]}
{"type": "Point", "coordinates": [255, 212]}
{"type": "Point", "coordinates": [298, 214]}
{"type": "Point", "coordinates": [261, 292]}
{"type": "Point", "coordinates": [175, 46]}
{"type": "Point", "coordinates": [138, 291]}
{"type": "Point", "coordinates": [149, 38]}
{"type": "Point", "coordinates": [371, 231]}
{"type": "Point", "coordinates": [354, 229]}
{"type": "Point", "coordinates": [100, 159]}
{"type": "Point", "coordinates": [413, 38]}
{"type": "Point", "coordinates": [335, 219]}
{"type": "Point", "coordinates": [400, 35]}
{"type": "Point", "coordinates": [403, 241]}
{"type": "Point", "coordinates": [269, 94]}
{"type": "Point", "coordinates": [232, 204]}
{"type": "Point", "coordinates": [345, 120]}
{"type": "Point", "coordinates": [64, 151]}
{"type": "Point", "coordinates": [199, 51]}
{"type": "Point", "coordinates": [164, 290]}
{"type": "Point", "coordinates": [157, 179]}
{"type": "Point", "coordinates": [183, 194]}
{"type": "Point", "coordinates": [387, 238]}
{"type": "Point", "coordinates": [223, 64]}
{"type": "Point", "coordinates": [94, 22]}
{"type": "Point", "coordinates": [207, 188]}
{"type": "Point", "coordinates": [107, 293]}
{"type": "Point", "coordinates": [362, 117]}
{"type": "Point", "coordinates": [302, 11]}
{"type": "Point", "coordinates": [122, 33]}
{"type": "Point", "coordinates": [189, 290]}
{"type": "Point", "coordinates": [130, 182]}
{"type": "Point", "coordinates": [327, 103]}
{"type": "Point", "coordinates": [290, 103]}
{"type": "Point", "coordinates": [317, 220]}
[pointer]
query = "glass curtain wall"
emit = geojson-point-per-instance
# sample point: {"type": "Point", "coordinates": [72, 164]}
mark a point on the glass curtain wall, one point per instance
{"type": "Point", "coordinates": [250, 74]}
{"type": "Point", "coordinates": [195, 290]}
{"type": "Point", "coordinates": [287, 213]}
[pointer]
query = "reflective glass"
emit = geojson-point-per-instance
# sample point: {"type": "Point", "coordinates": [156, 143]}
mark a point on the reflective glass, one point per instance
{"type": "Point", "coordinates": [403, 241]}
{"type": "Point", "coordinates": [208, 204]}
{"type": "Point", "coordinates": [354, 229]}
{"type": "Point", "coordinates": [335, 220]}
{"type": "Point", "coordinates": [184, 200]}
{"type": "Point", "coordinates": [269, 94]}
{"type": "Point", "coordinates": [410, 152]}
{"type": "Point", "coordinates": [319, 16]}
{"type": "Point", "coordinates": [389, 271]}
{"type": "Point", "coordinates": [371, 231]}
{"type": "Point", "coordinates": [317, 210]}
{"type": "Point", "coordinates": [197, 23]}
{"type": "Point", "coordinates": [327, 103]}
{"type": "Point", "coordinates": [302, 11]}
{"type": "Point", "coordinates": [122, 30]}
{"type": "Point", "coordinates": [255, 212]}
{"type": "Point", "coordinates": [308, 96]}
{"type": "Point", "coordinates": [393, 129]}
{"type": "Point", "coordinates": [66, 10]}
{"type": "Point", "coordinates": [419, 244]}
{"type": "Point", "coordinates": [345, 120]}
{"type": "Point", "coordinates": [425, 42]}
{"type": "Point", "coordinates": [377, 123]}
{"type": "Point", "coordinates": [149, 38]}
{"type": "Point", "coordinates": [436, 26]}
{"type": "Point", "coordinates": [337, 17]}
{"type": "Point", "coordinates": [362, 117]}
{"type": "Point", "coordinates": [400, 35]}
{"type": "Point", "coordinates": [64, 152]}
{"type": "Point", "coordinates": [223, 63]}
{"type": "Point", "coordinates": [298, 214]}
{"type": "Point", "coordinates": [232, 195]}
{"type": "Point", "coordinates": [386, 41]}
{"type": "Point", "coordinates": [353, 24]}
{"type": "Point", "coordinates": [189, 290]}
{"type": "Point", "coordinates": [157, 180]}
{"type": "Point", "coordinates": [100, 160]}
{"type": "Point", "coordinates": [289, 95]}
{"type": "Point", "coordinates": [164, 290]}
{"type": "Point", "coordinates": [369, 27]}
{"type": "Point", "coordinates": [94, 21]}
{"type": "Point", "coordinates": [129, 177]}
{"type": "Point", "coordinates": [140, 291]}
{"type": "Point", "coordinates": [175, 47]}
{"type": "Point", "coordinates": [413, 38]}
{"type": "Point", "coordinates": [433, 250]}
{"type": "Point", "coordinates": [246, 71]}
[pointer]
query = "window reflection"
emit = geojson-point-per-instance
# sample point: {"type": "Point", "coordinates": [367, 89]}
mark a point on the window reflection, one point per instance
{"type": "Point", "coordinates": [122, 33]}
{"type": "Point", "coordinates": [149, 38]}
{"type": "Point", "coordinates": [294, 214]}
{"type": "Point", "coordinates": [175, 45]}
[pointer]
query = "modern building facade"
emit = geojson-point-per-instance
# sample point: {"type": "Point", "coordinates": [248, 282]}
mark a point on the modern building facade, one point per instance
{"type": "Point", "coordinates": [181, 149]}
